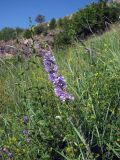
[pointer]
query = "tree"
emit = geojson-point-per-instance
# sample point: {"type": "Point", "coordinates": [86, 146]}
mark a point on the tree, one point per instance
{"type": "Point", "coordinates": [52, 23]}
{"type": "Point", "coordinates": [40, 19]}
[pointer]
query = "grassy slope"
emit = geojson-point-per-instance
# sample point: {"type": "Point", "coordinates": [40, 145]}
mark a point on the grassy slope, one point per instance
{"type": "Point", "coordinates": [87, 128]}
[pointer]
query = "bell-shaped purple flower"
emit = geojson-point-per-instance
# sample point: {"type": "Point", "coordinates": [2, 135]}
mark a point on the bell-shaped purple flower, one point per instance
{"type": "Point", "coordinates": [25, 131]}
{"type": "Point", "coordinates": [26, 120]}
{"type": "Point", "coordinates": [10, 156]}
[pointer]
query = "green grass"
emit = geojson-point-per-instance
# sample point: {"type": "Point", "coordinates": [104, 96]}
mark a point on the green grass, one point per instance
{"type": "Point", "coordinates": [85, 129]}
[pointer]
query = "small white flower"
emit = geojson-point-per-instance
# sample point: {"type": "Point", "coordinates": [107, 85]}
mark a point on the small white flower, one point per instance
{"type": "Point", "coordinates": [58, 117]}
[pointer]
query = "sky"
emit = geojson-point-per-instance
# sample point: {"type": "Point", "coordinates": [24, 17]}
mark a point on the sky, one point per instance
{"type": "Point", "coordinates": [15, 13]}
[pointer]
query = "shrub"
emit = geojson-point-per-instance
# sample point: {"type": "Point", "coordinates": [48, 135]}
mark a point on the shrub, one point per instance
{"type": "Point", "coordinates": [60, 22]}
{"type": "Point", "coordinates": [52, 24]}
{"type": "Point", "coordinates": [38, 29]}
{"type": "Point", "coordinates": [27, 34]}
{"type": "Point", "coordinates": [91, 19]}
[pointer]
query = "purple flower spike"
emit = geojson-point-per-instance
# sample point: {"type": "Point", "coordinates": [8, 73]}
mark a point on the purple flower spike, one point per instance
{"type": "Point", "coordinates": [63, 95]}
{"type": "Point", "coordinates": [26, 120]}
{"type": "Point", "coordinates": [60, 81]}
{"type": "Point", "coordinates": [10, 155]}
{"type": "Point", "coordinates": [57, 80]}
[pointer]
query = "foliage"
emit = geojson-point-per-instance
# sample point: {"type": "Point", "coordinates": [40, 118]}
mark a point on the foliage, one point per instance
{"type": "Point", "coordinates": [66, 35]}
{"type": "Point", "coordinates": [52, 24]}
{"type": "Point", "coordinates": [40, 29]}
{"type": "Point", "coordinates": [27, 34]}
{"type": "Point", "coordinates": [94, 18]}
{"type": "Point", "coordinates": [19, 30]}
{"type": "Point", "coordinates": [60, 22]}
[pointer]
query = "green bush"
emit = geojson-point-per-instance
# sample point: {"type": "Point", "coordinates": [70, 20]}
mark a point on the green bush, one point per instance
{"type": "Point", "coordinates": [52, 24]}
{"type": "Point", "coordinates": [60, 22]}
{"type": "Point", "coordinates": [27, 34]}
{"type": "Point", "coordinates": [92, 19]}
{"type": "Point", "coordinates": [41, 29]}
{"type": "Point", "coordinates": [38, 29]}
{"type": "Point", "coordinates": [19, 31]}
{"type": "Point", "coordinates": [66, 35]}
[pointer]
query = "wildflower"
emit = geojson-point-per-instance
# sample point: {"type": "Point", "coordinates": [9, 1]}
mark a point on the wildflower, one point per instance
{"type": "Point", "coordinates": [10, 155]}
{"type": "Point", "coordinates": [25, 131]}
{"type": "Point", "coordinates": [57, 80]}
{"type": "Point", "coordinates": [60, 81]}
{"type": "Point", "coordinates": [62, 94]}
{"type": "Point", "coordinates": [26, 120]}
{"type": "Point", "coordinates": [52, 77]}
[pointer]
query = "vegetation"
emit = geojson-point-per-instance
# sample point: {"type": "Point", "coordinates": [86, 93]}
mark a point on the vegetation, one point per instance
{"type": "Point", "coordinates": [94, 18]}
{"type": "Point", "coordinates": [40, 19]}
{"type": "Point", "coordinates": [35, 124]}
{"type": "Point", "coordinates": [8, 33]}
{"type": "Point", "coordinates": [41, 119]}
{"type": "Point", "coordinates": [52, 24]}
{"type": "Point", "coordinates": [19, 31]}
{"type": "Point", "coordinates": [40, 29]}
{"type": "Point", "coordinates": [27, 34]}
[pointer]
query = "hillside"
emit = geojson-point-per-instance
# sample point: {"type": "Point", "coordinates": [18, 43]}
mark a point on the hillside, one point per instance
{"type": "Point", "coordinates": [35, 124]}
{"type": "Point", "coordinates": [95, 18]}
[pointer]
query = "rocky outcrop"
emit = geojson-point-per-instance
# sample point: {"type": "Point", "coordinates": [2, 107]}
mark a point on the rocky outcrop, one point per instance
{"type": "Point", "coordinates": [11, 48]}
{"type": "Point", "coordinates": [118, 1]}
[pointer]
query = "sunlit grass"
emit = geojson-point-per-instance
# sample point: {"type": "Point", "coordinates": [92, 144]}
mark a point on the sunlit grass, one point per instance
{"type": "Point", "coordinates": [87, 128]}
